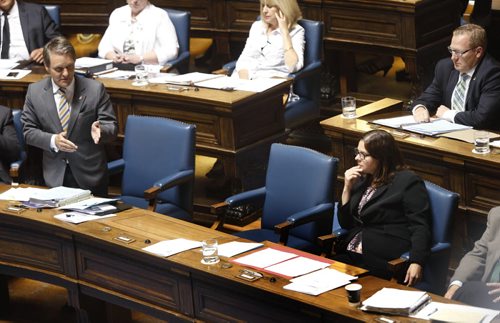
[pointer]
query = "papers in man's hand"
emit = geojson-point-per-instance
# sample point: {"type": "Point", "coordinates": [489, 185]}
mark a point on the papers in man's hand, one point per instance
{"type": "Point", "coordinates": [7, 74]}
{"type": "Point", "coordinates": [456, 313]}
{"type": "Point", "coordinates": [234, 248]}
{"type": "Point", "coordinates": [396, 301]}
{"type": "Point", "coordinates": [77, 217]}
{"type": "Point", "coordinates": [433, 128]}
{"type": "Point", "coordinates": [319, 281]}
{"type": "Point", "coordinates": [171, 247]}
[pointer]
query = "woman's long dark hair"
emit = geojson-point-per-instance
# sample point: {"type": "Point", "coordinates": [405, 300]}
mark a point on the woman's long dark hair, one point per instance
{"type": "Point", "coordinates": [382, 146]}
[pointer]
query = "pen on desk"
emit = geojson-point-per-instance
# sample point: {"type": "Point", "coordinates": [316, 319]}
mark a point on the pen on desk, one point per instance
{"type": "Point", "coordinates": [433, 311]}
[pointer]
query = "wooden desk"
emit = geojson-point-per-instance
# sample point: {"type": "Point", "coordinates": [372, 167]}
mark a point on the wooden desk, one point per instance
{"type": "Point", "coordinates": [236, 127]}
{"type": "Point", "coordinates": [91, 264]}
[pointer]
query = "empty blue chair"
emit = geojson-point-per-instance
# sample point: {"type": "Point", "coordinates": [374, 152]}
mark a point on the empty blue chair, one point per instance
{"type": "Point", "coordinates": [158, 165]}
{"type": "Point", "coordinates": [182, 24]}
{"type": "Point", "coordinates": [54, 13]}
{"type": "Point", "coordinates": [297, 198]}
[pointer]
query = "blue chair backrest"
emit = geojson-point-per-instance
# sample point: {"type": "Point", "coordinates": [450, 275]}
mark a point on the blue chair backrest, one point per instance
{"type": "Point", "coordinates": [443, 206]}
{"type": "Point", "coordinates": [154, 148]}
{"type": "Point", "coordinates": [54, 13]}
{"type": "Point", "coordinates": [16, 117]}
{"type": "Point", "coordinates": [297, 179]}
{"type": "Point", "coordinates": [182, 23]}
{"type": "Point", "coordinates": [314, 40]}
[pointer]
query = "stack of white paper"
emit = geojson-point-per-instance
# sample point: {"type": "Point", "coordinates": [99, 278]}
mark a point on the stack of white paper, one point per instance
{"type": "Point", "coordinates": [396, 301]}
{"type": "Point", "coordinates": [319, 281]}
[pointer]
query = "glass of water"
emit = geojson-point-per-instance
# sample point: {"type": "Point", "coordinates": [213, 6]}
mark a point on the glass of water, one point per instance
{"type": "Point", "coordinates": [141, 75]}
{"type": "Point", "coordinates": [209, 249]}
{"type": "Point", "coordinates": [348, 107]}
{"type": "Point", "coordinates": [481, 142]}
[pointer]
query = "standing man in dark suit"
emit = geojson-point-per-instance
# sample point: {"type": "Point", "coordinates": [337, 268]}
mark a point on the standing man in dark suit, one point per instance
{"type": "Point", "coordinates": [477, 279]}
{"type": "Point", "coordinates": [465, 89]}
{"type": "Point", "coordinates": [9, 145]}
{"type": "Point", "coordinates": [69, 118]}
{"type": "Point", "coordinates": [29, 27]}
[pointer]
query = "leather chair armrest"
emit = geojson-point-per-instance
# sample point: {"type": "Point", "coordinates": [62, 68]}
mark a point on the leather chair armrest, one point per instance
{"type": "Point", "coordinates": [116, 166]}
{"type": "Point", "coordinates": [300, 218]}
{"type": "Point", "coordinates": [165, 183]}
{"type": "Point", "coordinates": [253, 196]}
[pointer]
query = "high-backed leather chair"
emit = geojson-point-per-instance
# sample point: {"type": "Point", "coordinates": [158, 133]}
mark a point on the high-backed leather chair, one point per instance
{"type": "Point", "coordinates": [307, 81]}
{"type": "Point", "coordinates": [182, 24]}
{"type": "Point", "coordinates": [444, 205]}
{"type": "Point", "coordinates": [14, 167]}
{"type": "Point", "coordinates": [54, 13]}
{"type": "Point", "coordinates": [158, 165]}
{"type": "Point", "coordinates": [297, 198]}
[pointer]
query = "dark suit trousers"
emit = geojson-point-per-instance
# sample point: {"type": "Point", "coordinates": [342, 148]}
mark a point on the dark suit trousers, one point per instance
{"type": "Point", "coordinates": [476, 293]}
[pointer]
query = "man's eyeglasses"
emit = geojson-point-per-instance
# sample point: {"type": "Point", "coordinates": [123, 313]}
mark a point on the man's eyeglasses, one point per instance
{"type": "Point", "coordinates": [459, 53]}
{"type": "Point", "coordinates": [361, 154]}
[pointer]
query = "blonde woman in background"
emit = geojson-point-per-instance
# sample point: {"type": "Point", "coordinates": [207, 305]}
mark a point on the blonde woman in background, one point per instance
{"type": "Point", "coordinates": [275, 44]}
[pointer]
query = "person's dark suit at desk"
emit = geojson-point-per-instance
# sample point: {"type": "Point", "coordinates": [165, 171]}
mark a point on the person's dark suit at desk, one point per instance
{"type": "Point", "coordinates": [9, 145]}
{"type": "Point", "coordinates": [466, 88]}
{"type": "Point", "coordinates": [25, 28]}
{"type": "Point", "coordinates": [477, 279]}
{"type": "Point", "coordinates": [69, 118]}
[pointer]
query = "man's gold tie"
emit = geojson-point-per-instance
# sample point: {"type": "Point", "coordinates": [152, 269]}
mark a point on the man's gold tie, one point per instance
{"type": "Point", "coordinates": [458, 100]}
{"type": "Point", "coordinates": [63, 110]}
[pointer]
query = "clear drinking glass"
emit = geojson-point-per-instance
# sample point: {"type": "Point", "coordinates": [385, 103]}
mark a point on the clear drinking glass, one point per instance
{"type": "Point", "coordinates": [141, 75]}
{"type": "Point", "coordinates": [209, 249]}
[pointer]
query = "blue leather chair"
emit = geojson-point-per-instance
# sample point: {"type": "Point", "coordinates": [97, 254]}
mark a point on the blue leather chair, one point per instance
{"type": "Point", "coordinates": [182, 24]}
{"type": "Point", "coordinates": [307, 81]}
{"type": "Point", "coordinates": [14, 167]}
{"type": "Point", "coordinates": [54, 13]}
{"type": "Point", "coordinates": [297, 199]}
{"type": "Point", "coordinates": [158, 165]}
{"type": "Point", "coordinates": [444, 205]}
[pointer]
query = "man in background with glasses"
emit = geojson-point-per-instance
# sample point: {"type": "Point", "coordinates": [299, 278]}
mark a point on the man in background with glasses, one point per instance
{"type": "Point", "coordinates": [466, 88]}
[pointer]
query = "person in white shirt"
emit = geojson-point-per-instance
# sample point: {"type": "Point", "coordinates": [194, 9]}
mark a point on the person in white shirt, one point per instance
{"type": "Point", "coordinates": [139, 33]}
{"type": "Point", "coordinates": [29, 27]}
{"type": "Point", "coordinates": [275, 44]}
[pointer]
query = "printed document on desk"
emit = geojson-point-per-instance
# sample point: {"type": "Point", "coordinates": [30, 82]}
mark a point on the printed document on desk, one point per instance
{"type": "Point", "coordinates": [456, 313]}
{"type": "Point", "coordinates": [396, 301]}
{"type": "Point", "coordinates": [171, 247]}
{"type": "Point", "coordinates": [320, 281]}
{"type": "Point", "coordinates": [265, 258]}
{"type": "Point", "coordinates": [77, 217]}
{"type": "Point", "coordinates": [7, 64]}
{"type": "Point", "coordinates": [233, 83]}
{"type": "Point", "coordinates": [432, 128]}
{"type": "Point", "coordinates": [13, 74]}
{"type": "Point", "coordinates": [233, 248]}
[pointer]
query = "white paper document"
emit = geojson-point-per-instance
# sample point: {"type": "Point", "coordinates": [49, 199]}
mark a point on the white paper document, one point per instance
{"type": "Point", "coordinates": [320, 281]}
{"type": "Point", "coordinates": [297, 266]}
{"type": "Point", "coordinates": [433, 128]}
{"type": "Point", "coordinates": [234, 248]}
{"type": "Point", "coordinates": [86, 62]}
{"type": "Point", "coordinates": [90, 202]}
{"type": "Point", "coordinates": [6, 74]}
{"type": "Point", "coordinates": [21, 194]}
{"type": "Point", "coordinates": [265, 258]}
{"type": "Point", "coordinates": [7, 64]}
{"type": "Point", "coordinates": [117, 75]}
{"type": "Point", "coordinates": [396, 122]}
{"type": "Point", "coordinates": [456, 313]}
{"type": "Point", "coordinates": [396, 301]}
{"type": "Point", "coordinates": [171, 247]}
{"type": "Point", "coordinates": [232, 83]}
{"type": "Point", "coordinates": [77, 217]}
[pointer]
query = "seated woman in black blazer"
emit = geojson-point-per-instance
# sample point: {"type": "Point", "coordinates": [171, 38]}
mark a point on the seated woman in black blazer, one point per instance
{"type": "Point", "coordinates": [386, 209]}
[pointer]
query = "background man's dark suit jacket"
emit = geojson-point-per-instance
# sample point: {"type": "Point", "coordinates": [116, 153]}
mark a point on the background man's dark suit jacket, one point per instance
{"type": "Point", "coordinates": [396, 219]}
{"type": "Point", "coordinates": [90, 102]}
{"type": "Point", "coordinates": [38, 28]}
{"type": "Point", "coordinates": [482, 106]}
{"type": "Point", "coordinates": [9, 145]}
